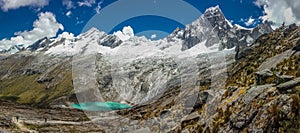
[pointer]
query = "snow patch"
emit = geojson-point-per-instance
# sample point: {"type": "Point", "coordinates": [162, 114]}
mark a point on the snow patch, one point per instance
{"type": "Point", "coordinates": [238, 27]}
{"type": "Point", "coordinates": [249, 39]}
{"type": "Point", "coordinates": [229, 23]}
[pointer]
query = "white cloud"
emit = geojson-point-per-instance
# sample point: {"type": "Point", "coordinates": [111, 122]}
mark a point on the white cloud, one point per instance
{"type": "Point", "coordinates": [68, 3]}
{"type": "Point", "coordinates": [153, 36]}
{"type": "Point", "coordinates": [66, 35]}
{"type": "Point", "coordinates": [250, 21]}
{"type": "Point", "coordinates": [68, 13]}
{"type": "Point", "coordinates": [288, 15]}
{"type": "Point", "coordinates": [98, 8]}
{"type": "Point", "coordinates": [15, 4]}
{"type": "Point", "coordinates": [260, 3]}
{"type": "Point", "coordinates": [87, 3]}
{"type": "Point", "coordinates": [125, 34]}
{"type": "Point", "coordinates": [279, 11]}
{"type": "Point", "coordinates": [45, 26]}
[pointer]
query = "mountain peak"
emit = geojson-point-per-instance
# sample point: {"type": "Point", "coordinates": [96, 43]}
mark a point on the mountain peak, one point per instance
{"type": "Point", "coordinates": [215, 8]}
{"type": "Point", "coordinates": [224, 33]}
{"type": "Point", "coordinates": [216, 17]}
{"type": "Point", "coordinates": [95, 30]}
{"type": "Point", "coordinates": [214, 11]}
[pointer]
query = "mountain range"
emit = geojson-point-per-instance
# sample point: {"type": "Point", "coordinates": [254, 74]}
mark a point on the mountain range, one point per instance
{"type": "Point", "coordinates": [211, 27]}
{"type": "Point", "coordinates": [210, 76]}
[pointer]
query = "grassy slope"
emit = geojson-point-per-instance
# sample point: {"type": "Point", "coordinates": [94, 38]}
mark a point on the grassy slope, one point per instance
{"type": "Point", "coordinates": [25, 89]}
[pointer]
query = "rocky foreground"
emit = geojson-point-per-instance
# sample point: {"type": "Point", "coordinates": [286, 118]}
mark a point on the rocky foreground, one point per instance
{"type": "Point", "coordinates": [261, 94]}
{"type": "Point", "coordinates": [22, 118]}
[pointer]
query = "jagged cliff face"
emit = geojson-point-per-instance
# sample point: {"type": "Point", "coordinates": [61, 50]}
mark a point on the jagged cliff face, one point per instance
{"type": "Point", "coordinates": [218, 30]}
{"type": "Point", "coordinates": [180, 83]}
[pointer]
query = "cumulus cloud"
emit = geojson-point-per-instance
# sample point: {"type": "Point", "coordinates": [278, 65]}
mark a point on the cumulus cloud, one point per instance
{"type": "Point", "coordinates": [69, 13]}
{"type": "Point", "coordinates": [15, 4]}
{"type": "Point", "coordinates": [45, 26]}
{"type": "Point", "coordinates": [279, 11]}
{"type": "Point", "coordinates": [153, 36]}
{"type": "Point", "coordinates": [88, 3]}
{"type": "Point", "coordinates": [125, 34]}
{"type": "Point", "coordinates": [68, 4]}
{"type": "Point", "coordinates": [66, 35]}
{"type": "Point", "coordinates": [249, 21]}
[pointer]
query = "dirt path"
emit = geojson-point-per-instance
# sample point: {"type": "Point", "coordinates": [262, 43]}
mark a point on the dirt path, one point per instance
{"type": "Point", "coordinates": [40, 122]}
{"type": "Point", "coordinates": [19, 124]}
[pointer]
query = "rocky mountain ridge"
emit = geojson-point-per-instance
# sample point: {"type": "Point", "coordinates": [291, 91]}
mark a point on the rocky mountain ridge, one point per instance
{"type": "Point", "coordinates": [182, 83]}
{"type": "Point", "coordinates": [214, 24]}
{"type": "Point", "coordinates": [212, 28]}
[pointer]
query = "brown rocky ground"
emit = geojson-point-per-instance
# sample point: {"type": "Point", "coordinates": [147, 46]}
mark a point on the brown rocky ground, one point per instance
{"type": "Point", "coordinates": [32, 119]}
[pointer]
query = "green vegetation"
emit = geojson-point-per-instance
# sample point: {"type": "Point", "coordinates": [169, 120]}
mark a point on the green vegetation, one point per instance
{"type": "Point", "coordinates": [25, 90]}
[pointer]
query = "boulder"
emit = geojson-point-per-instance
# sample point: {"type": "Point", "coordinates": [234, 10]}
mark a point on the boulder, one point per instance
{"type": "Point", "coordinates": [289, 85]}
{"type": "Point", "coordinates": [262, 76]}
{"type": "Point", "coordinates": [283, 78]}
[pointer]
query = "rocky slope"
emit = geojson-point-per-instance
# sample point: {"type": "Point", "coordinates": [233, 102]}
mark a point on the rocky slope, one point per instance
{"type": "Point", "coordinates": [261, 94]}
{"type": "Point", "coordinates": [182, 83]}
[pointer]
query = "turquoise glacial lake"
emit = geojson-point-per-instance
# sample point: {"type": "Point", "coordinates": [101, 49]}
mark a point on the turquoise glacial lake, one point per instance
{"type": "Point", "coordinates": [101, 106]}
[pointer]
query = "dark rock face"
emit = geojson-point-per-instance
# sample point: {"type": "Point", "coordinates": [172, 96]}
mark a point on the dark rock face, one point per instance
{"type": "Point", "coordinates": [262, 29]}
{"type": "Point", "coordinates": [297, 48]}
{"type": "Point", "coordinates": [110, 41]}
{"type": "Point", "coordinates": [42, 43]}
{"type": "Point", "coordinates": [190, 41]}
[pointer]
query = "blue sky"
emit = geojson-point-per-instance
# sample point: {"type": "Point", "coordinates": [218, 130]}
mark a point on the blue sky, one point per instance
{"type": "Point", "coordinates": [74, 14]}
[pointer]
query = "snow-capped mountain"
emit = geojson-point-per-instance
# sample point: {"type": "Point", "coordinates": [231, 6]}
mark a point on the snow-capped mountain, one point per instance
{"type": "Point", "coordinates": [213, 25]}
{"type": "Point", "coordinates": [92, 40]}
{"type": "Point", "coordinates": [212, 29]}
{"type": "Point", "coordinates": [172, 82]}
